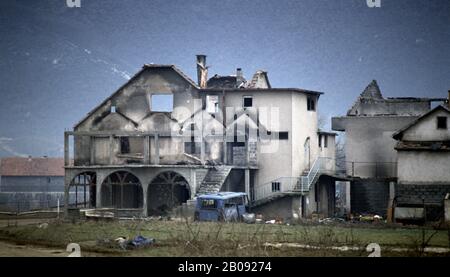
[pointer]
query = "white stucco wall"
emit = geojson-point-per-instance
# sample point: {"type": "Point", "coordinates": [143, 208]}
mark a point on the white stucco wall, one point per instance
{"type": "Point", "coordinates": [274, 160]}
{"type": "Point", "coordinates": [423, 167]}
{"type": "Point", "coordinates": [426, 129]}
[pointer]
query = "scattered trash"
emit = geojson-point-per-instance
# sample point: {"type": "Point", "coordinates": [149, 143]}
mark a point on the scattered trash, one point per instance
{"type": "Point", "coordinates": [140, 241]}
{"type": "Point", "coordinates": [258, 221]}
{"type": "Point", "coordinates": [122, 242]}
{"type": "Point", "coordinates": [329, 220]}
{"type": "Point", "coordinates": [249, 218]}
{"type": "Point", "coordinates": [43, 226]}
{"type": "Point", "coordinates": [270, 221]}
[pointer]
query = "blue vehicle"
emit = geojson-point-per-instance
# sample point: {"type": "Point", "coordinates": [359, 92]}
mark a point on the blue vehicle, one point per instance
{"type": "Point", "coordinates": [222, 206]}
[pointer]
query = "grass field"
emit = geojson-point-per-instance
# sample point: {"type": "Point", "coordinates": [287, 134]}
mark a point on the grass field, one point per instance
{"type": "Point", "coordinates": [181, 238]}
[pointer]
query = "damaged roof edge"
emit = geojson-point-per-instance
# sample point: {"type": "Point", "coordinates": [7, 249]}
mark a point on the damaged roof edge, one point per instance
{"type": "Point", "coordinates": [263, 89]}
{"type": "Point", "coordinates": [398, 135]}
{"type": "Point", "coordinates": [144, 67]}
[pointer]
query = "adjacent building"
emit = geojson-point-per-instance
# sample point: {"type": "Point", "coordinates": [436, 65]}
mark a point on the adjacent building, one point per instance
{"type": "Point", "coordinates": [370, 149]}
{"type": "Point", "coordinates": [423, 157]}
{"type": "Point", "coordinates": [31, 183]}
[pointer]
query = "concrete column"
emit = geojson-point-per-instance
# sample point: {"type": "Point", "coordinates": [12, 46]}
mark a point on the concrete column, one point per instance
{"type": "Point", "coordinates": [156, 149]}
{"type": "Point", "coordinates": [91, 151]}
{"type": "Point", "coordinates": [67, 179]}
{"type": "Point", "coordinates": [247, 182]}
{"type": "Point", "coordinates": [202, 151]}
{"type": "Point", "coordinates": [99, 180]}
{"type": "Point", "coordinates": [144, 202]}
{"type": "Point", "coordinates": [193, 185]}
{"type": "Point", "coordinates": [146, 150]}
{"type": "Point", "coordinates": [348, 207]}
{"type": "Point", "coordinates": [66, 149]}
{"type": "Point", "coordinates": [111, 149]}
{"type": "Point", "coordinates": [225, 151]}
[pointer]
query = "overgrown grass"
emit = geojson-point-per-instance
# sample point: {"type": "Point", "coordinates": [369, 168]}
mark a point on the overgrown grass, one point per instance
{"type": "Point", "coordinates": [184, 238]}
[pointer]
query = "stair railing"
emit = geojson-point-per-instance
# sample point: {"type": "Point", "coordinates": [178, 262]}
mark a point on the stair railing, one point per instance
{"type": "Point", "coordinates": [276, 186]}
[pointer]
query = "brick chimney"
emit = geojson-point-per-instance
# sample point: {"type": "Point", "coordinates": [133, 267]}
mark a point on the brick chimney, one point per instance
{"type": "Point", "coordinates": [202, 71]}
{"type": "Point", "coordinates": [239, 76]}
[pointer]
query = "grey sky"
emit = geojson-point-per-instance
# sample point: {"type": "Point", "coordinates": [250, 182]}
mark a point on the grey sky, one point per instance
{"type": "Point", "coordinates": [57, 63]}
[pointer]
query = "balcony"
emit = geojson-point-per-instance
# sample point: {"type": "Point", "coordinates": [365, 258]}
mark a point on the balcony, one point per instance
{"type": "Point", "coordinates": [100, 148]}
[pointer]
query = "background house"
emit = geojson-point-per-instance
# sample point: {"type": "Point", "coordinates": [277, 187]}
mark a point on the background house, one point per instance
{"type": "Point", "coordinates": [423, 159]}
{"type": "Point", "coordinates": [31, 183]}
{"type": "Point", "coordinates": [371, 159]}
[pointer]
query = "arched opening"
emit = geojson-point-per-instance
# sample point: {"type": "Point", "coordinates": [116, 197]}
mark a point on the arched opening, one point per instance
{"type": "Point", "coordinates": [122, 190]}
{"type": "Point", "coordinates": [82, 190]}
{"type": "Point", "coordinates": [167, 191]}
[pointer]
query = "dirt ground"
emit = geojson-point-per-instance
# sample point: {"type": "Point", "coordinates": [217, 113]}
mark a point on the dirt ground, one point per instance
{"type": "Point", "coordinates": [9, 249]}
{"type": "Point", "coordinates": [49, 238]}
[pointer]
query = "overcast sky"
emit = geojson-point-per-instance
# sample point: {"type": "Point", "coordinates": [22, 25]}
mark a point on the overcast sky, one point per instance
{"type": "Point", "coordinates": [57, 63]}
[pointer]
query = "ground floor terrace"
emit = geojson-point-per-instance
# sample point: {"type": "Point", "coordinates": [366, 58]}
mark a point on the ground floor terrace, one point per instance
{"type": "Point", "coordinates": [147, 190]}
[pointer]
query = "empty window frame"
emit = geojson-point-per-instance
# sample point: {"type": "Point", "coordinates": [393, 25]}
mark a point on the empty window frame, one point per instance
{"type": "Point", "coordinates": [311, 103]}
{"type": "Point", "coordinates": [212, 103]}
{"type": "Point", "coordinates": [325, 141]}
{"type": "Point", "coordinates": [124, 145]}
{"type": "Point", "coordinates": [192, 147]}
{"type": "Point", "coordinates": [247, 101]}
{"type": "Point", "coordinates": [283, 135]}
{"type": "Point", "coordinates": [442, 122]}
{"type": "Point", "coordinates": [320, 140]}
{"type": "Point", "coordinates": [276, 186]}
{"type": "Point", "coordinates": [113, 109]}
{"type": "Point", "coordinates": [161, 103]}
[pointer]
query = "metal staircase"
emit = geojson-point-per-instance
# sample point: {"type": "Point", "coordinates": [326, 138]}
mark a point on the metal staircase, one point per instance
{"type": "Point", "coordinates": [283, 186]}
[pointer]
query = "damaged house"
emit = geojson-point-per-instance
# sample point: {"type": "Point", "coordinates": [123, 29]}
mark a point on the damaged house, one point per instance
{"type": "Point", "coordinates": [423, 171]}
{"type": "Point", "coordinates": [162, 139]}
{"type": "Point", "coordinates": [375, 160]}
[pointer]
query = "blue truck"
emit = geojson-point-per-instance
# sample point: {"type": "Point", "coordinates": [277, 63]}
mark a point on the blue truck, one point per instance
{"type": "Point", "coordinates": [221, 206]}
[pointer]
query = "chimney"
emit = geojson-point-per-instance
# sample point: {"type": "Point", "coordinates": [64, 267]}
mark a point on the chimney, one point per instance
{"type": "Point", "coordinates": [202, 71]}
{"type": "Point", "coordinates": [239, 76]}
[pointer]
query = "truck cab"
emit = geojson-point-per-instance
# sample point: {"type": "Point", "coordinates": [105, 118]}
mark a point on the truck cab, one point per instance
{"type": "Point", "coordinates": [222, 206]}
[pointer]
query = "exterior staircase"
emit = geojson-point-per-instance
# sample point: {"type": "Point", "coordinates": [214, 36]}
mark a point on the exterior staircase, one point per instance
{"type": "Point", "coordinates": [214, 179]}
{"type": "Point", "coordinates": [288, 185]}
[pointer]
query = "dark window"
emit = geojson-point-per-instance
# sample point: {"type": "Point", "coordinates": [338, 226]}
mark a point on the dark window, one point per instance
{"type": "Point", "coordinates": [320, 140]}
{"type": "Point", "coordinates": [311, 103]}
{"type": "Point", "coordinates": [442, 122]}
{"type": "Point", "coordinates": [325, 141]}
{"type": "Point", "coordinates": [284, 135]}
{"type": "Point", "coordinates": [124, 145]}
{"type": "Point", "coordinates": [248, 101]}
{"type": "Point", "coordinates": [49, 180]}
{"type": "Point", "coordinates": [276, 186]}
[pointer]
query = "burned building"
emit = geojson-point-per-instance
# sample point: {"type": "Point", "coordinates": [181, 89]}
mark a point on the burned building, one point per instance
{"type": "Point", "coordinates": [423, 171]}
{"type": "Point", "coordinates": [162, 139]}
{"type": "Point", "coordinates": [371, 158]}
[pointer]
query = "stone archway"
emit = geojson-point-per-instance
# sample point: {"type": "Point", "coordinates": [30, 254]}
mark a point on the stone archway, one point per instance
{"type": "Point", "coordinates": [123, 190]}
{"type": "Point", "coordinates": [82, 190]}
{"type": "Point", "coordinates": [166, 191]}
